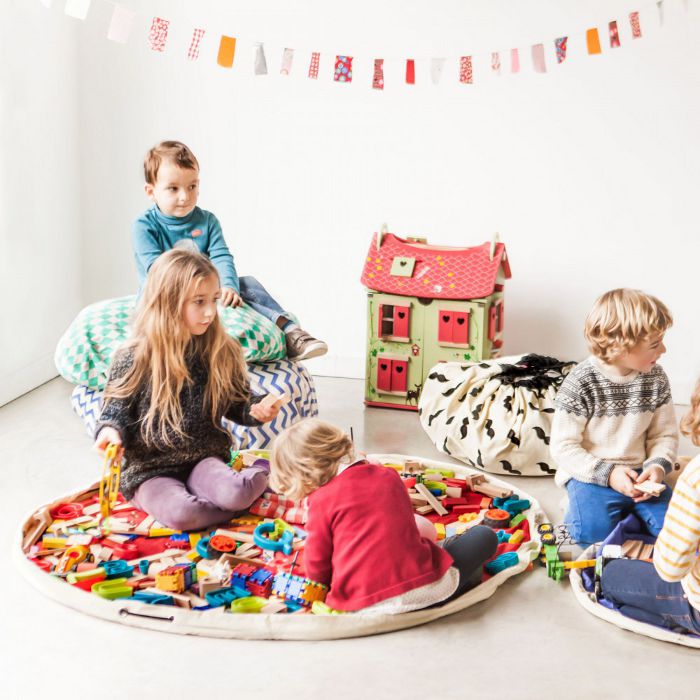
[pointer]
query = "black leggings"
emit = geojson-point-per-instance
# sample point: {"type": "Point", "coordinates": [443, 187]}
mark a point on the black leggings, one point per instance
{"type": "Point", "coordinates": [470, 551]}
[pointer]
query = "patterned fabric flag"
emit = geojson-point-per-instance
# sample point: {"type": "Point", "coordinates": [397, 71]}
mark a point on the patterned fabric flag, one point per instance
{"type": "Point", "coordinates": [120, 24]}
{"type": "Point", "coordinates": [560, 46]}
{"type": "Point", "coordinates": [410, 71]}
{"type": "Point", "coordinates": [593, 42]}
{"type": "Point", "coordinates": [158, 34]}
{"type": "Point", "coordinates": [436, 66]}
{"type": "Point", "coordinates": [287, 57]}
{"type": "Point", "coordinates": [378, 77]}
{"type": "Point", "coordinates": [227, 50]}
{"type": "Point", "coordinates": [514, 61]}
{"type": "Point", "coordinates": [538, 58]}
{"type": "Point", "coordinates": [634, 23]}
{"type": "Point", "coordinates": [193, 51]}
{"type": "Point", "coordinates": [77, 8]}
{"type": "Point", "coordinates": [614, 35]}
{"type": "Point", "coordinates": [260, 62]}
{"type": "Point", "coordinates": [466, 74]}
{"type": "Point", "coordinates": [313, 66]}
{"type": "Point", "coordinates": [496, 62]}
{"type": "Point", "coordinates": [343, 69]}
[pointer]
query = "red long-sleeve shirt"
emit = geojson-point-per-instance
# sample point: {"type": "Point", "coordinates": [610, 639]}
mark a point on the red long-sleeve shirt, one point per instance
{"type": "Point", "coordinates": [363, 541]}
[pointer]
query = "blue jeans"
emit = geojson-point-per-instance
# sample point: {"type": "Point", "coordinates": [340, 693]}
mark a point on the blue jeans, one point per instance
{"type": "Point", "coordinates": [256, 296]}
{"type": "Point", "coordinates": [594, 511]}
{"type": "Point", "coordinates": [637, 591]}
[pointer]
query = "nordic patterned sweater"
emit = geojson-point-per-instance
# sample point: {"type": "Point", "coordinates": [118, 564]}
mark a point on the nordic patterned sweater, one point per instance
{"type": "Point", "coordinates": [603, 420]}
{"type": "Point", "coordinates": [202, 438]}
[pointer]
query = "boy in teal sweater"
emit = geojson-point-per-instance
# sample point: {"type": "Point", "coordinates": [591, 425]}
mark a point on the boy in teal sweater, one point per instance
{"type": "Point", "coordinates": [172, 184]}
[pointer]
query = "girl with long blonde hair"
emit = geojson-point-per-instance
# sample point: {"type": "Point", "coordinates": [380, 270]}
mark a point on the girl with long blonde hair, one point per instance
{"type": "Point", "coordinates": [169, 387]}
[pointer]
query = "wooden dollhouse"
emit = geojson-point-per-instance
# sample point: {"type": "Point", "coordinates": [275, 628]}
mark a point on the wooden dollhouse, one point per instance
{"type": "Point", "coordinates": [428, 304]}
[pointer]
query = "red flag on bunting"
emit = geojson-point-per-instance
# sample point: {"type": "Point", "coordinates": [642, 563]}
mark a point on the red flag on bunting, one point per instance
{"type": "Point", "coordinates": [158, 34]}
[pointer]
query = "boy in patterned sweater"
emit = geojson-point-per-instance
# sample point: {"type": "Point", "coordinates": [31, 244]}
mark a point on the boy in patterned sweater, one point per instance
{"type": "Point", "coordinates": [615, 425]}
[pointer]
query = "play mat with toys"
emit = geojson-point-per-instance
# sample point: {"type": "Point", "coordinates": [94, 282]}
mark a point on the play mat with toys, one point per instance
{"type": "Point", "coordinates": [245, 579]}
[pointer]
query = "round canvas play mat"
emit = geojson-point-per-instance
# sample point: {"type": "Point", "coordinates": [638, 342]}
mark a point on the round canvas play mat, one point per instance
{"type": "Point", "coordinates": [588, 602]}
{"type": "Point", "coordinates": [140, 573]}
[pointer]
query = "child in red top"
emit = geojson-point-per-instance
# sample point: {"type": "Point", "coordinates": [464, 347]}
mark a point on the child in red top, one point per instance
{"type": "Point", "coordinates": [363, 541]}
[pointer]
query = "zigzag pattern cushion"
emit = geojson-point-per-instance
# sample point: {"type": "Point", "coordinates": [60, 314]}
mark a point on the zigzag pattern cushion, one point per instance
{"type": "Point", "coordinates": [84, 352]}
{"type": "Point", "coordinates": [282, 376]}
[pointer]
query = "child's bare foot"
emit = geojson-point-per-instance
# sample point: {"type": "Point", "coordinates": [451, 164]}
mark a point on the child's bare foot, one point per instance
{"type": "Point", "coordinates": [302, 346]}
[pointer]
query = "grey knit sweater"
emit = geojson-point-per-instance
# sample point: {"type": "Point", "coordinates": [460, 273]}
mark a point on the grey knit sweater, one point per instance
{"type": "Point", "coordinates": [202, 438]}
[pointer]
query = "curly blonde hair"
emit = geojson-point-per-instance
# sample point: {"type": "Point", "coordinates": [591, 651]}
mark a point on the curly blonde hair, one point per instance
{"type": "Point", "coordinates": [622, 318]}
{"type": "Point", "coordinates": [307, 456]}
{"type": "Point", "coordinates": [690, 423]}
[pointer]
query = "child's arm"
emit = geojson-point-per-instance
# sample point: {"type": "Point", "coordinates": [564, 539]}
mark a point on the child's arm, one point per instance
{"type": "Point", "coordinates": [251, 413]}
{"type": "Point", "coordinates": [675, 551]}
{"type": "Point", "coordinates": [318, 548]}
{"type": "Point", "coordinates": [662, 434]}
{"type": "Point", "coordinates": [221, 256]}
{"type": "Point", "coordinates": [147, 246]}
{"type": "Point", "coordinates": [116, 413]}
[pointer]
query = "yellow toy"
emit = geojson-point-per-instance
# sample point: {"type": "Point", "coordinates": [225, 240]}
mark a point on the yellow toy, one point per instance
{"type": "Point", "coordinates": [111, 471]}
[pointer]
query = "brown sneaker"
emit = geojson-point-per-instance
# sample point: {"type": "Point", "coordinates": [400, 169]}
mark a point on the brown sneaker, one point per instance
{"type": "Point", "coordinates": [302, 346]}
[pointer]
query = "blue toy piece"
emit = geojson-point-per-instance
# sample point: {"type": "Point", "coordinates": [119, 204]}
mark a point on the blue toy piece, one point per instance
{"type": "Point", "coordinates": [117, 568]}
{"type": "Point", "coordinates": [513, 504]}
{"type": "Point", "coordinates": [143, 566]}
{"type": "Point", "coordinates": [502, 561]}
{"type": "Point", "coordinates": [202, 548]}
{"type": "Point", "coordinates": [153, 598]}
{"type": "Point", "coordinates": [503, 536]}
{"type": "Point", "coordinates": [284, 532]}
{"type": "Point", "coordinates": [225, 596]}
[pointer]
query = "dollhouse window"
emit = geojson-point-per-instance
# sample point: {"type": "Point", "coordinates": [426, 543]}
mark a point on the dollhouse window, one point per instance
{"type": "Point", "coordinates": [392, 376]}
{"type": "Point", "coordinates": [499, 315]}
{"type": "Point", "coordinates": [453, 328]}
{"type": "Point", "coordinates": [394, 322]}
{"type": "Point", "coordinates": [492, 322]}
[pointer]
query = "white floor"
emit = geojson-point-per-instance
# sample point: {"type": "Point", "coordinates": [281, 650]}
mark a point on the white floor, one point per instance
{"type": "Point", "coordinates": [531, 640]}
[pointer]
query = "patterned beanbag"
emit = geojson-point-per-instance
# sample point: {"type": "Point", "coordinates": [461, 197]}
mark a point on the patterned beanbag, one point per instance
{"type": "Point", "coordinates": [282, 376]}
{"type": "Point", "coordinates": [84, 352]}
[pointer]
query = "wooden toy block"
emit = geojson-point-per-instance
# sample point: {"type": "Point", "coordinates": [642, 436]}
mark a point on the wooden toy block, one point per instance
{"type": "Point", "coordinates": [424, 510]}
{"type": "Point", "coordinates": [432, 501]}
{"type": "Point", "coordinates": [454, 492]}
{"type": "Point", "coordinates": [417, 499]}
{"type": "Point", "coordinates": [492, 490]}
{"type": "Point", "coordinates": [473, 480]}
{"type": "Point", "coordinates": [413, 466]}
{"type": "Point", "coordinates": [182, 601]}
{"type": "Point", "coordinates": [651, 487]}
{"type": "Point", "coordinates": [273, 399]}
{"type": "Point", "coordinates": [236, 535]}
{"type": "Point", "coordinates": [647, 552]}
{"type": "Point", "coordinates": [632, 548]}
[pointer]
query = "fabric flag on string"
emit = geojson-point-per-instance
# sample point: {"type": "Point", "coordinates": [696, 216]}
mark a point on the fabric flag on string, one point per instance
{"type": "Point", "coordinates": [466, 73]}
{"type": "Point", "coordinates": [158, 34]}
{"type": "Point", "coordinates": [436, 66]}
{"type": "Point", "coordinates": [410, 71]}
{"type": "Point", "coordinates": [287, 57]}
{"type": "Point", "coordinates": [496, 62]}
{"type": "Point", "coordinates": [343, 69]}
{"type": "Point", "coordinates": [227, 50]}
{"type": "Point", "coordinates": [120, 24]}
{"type": "Point", "coordinates": [538, 58]}
{"type": "Point", "coordinates": [593, 41]}
{"type": "Point", "coordinates": [560, 46]}
{"type": "Point", "coordinates": [634, 23]}
{"type": "Point", "coordinates": [614, 35]}
{"type": "Point", "coordinates": [514, 61]}
{"type": "Point", "coordinates": [193, 50]}
{"type": "Point", "coordinates": [660, 8]}
{"type": "Point", "coordinates": [313, 66]}
{"type": "Point", "coordinates": [378, 77]}
{"type": "Point", "coordinates": [77, 8]}
{"type": "Point", "coordinates": [260, 62]}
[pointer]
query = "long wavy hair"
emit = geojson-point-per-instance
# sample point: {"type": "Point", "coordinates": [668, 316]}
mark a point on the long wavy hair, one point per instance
{"type": "Point", "coordinates": [163, 346]}
{"type": "Point", "coordinates": [690, 423]}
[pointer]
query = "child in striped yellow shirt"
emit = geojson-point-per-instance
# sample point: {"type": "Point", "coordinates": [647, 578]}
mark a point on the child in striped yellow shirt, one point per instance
{"type": "Point", "coordinates": [667, 593]}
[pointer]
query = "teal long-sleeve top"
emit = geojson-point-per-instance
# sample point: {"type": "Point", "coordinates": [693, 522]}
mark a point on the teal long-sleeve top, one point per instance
{"type": "Point", "coordinates": [154, 233]}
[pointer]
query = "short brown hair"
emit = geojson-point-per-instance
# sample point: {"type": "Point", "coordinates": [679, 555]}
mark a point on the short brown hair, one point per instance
{"type": "Point", "coordinates": [622, 318]}
{"type": "Point", "coordinates": [174, 151]}
{"type": "Point", "coordinates": [307, 456]}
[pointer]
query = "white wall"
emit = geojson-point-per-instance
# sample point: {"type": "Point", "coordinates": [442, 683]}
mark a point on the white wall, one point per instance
{"type": "Point", "coordinates": [39, 193]}
{"type": "Point", "coordinates": [589, 172]}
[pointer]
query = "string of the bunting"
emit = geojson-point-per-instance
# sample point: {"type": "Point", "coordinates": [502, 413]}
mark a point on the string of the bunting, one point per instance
{"type": "Point", "coordinates": [122, 21]}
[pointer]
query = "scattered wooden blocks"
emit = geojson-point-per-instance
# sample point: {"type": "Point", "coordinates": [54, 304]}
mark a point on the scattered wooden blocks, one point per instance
{"type": "Point", "coordinates": [650, 487]}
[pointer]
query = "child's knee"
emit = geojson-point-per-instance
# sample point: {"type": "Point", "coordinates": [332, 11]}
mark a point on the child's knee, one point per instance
{"type": "Point", "coordinates": [241, 493]}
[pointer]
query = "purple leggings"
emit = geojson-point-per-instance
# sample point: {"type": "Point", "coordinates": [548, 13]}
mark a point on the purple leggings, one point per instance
{"type": "Point", "coordinates": [213, 494]}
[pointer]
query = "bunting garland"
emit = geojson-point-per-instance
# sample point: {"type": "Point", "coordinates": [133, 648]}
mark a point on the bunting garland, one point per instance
{"type": "Point", "coordinates": [121, 25]}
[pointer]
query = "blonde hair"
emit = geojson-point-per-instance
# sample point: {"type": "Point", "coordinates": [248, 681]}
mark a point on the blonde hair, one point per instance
{"type": "Point", "coordinates": [690, 424]}
{"type": "Point", "coordinates": [174, 151]}
{"type": "Point", "coordinates": [162, 347]}
{"type": "Point", "coordinates": [307, 456]}
{"type": "Point", "coordinates": [622, 318]}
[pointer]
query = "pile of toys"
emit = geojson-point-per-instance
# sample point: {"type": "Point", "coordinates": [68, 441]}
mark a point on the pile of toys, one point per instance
{"type": "Point", "coordinates": [103, 545]}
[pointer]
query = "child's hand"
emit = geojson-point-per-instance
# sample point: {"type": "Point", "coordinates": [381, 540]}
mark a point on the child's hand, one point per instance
{"type": "Point", "coordinates": [264, 413]}
{"type": "Point", "coordinates": [230, 297]}
{"type": "Point", "coordinates": [653, 473]}
{"type": "Point", "coordinates": [105, 436]}
{"type": "Point", "coordinates": [622, 480]}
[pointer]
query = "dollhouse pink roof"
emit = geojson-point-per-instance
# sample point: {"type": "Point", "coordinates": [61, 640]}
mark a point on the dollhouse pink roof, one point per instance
{"type": "Point", "coordinates": [438, 272]}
